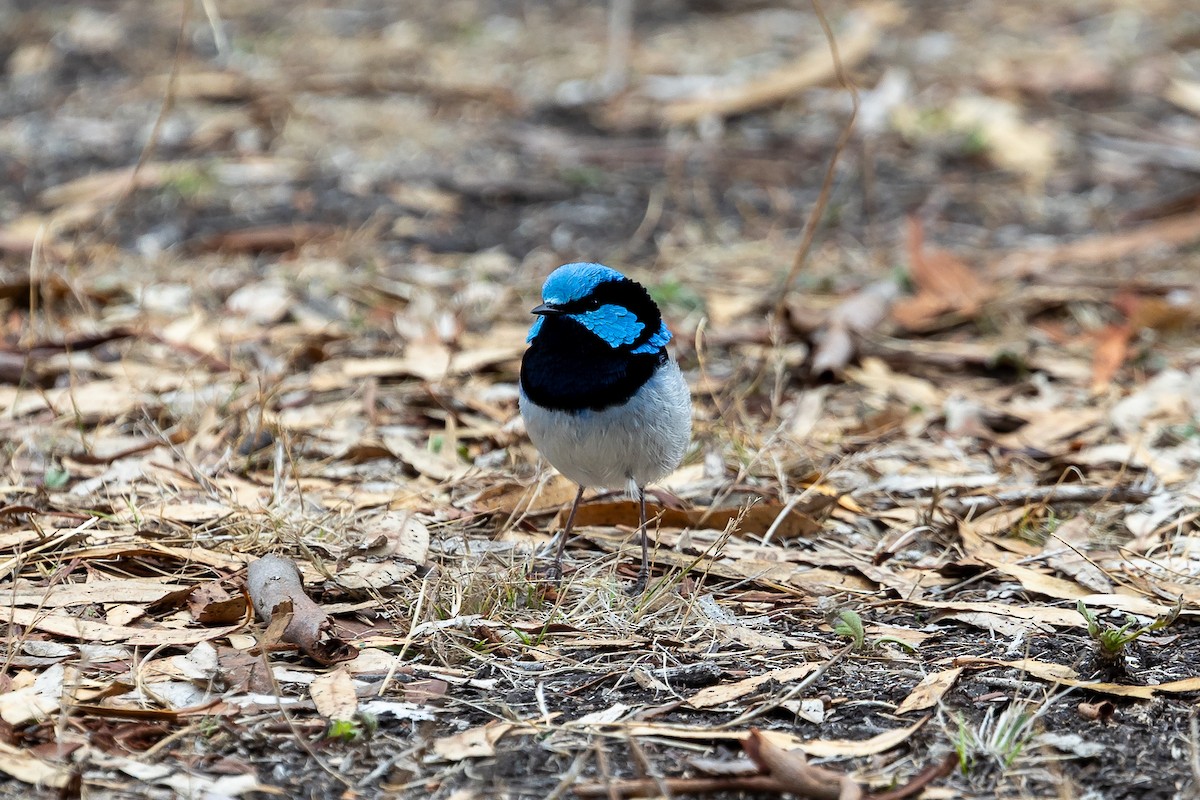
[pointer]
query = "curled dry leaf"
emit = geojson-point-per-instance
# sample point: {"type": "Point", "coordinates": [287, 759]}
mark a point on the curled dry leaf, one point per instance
{"type": "Point", "coordinates": [795, 774]}
{"type": "Point", "coordinates": [944, 284]}
{"type": "Point", "coordinates": [275, 588]}
{"type": "Point", "coordinates": [860, 313]}
{"type": "Point", "coordinates": [212, 604]}
{"type": "Point", "coordinates": [1102, 711]}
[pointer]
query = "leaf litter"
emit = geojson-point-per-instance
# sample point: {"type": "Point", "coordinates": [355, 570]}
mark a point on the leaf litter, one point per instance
{"type": "Point", "coordinates": [270, 522]}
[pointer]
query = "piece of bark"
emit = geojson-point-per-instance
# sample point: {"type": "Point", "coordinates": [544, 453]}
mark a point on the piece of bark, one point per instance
{"type": "Point", "coordinates": [275, 588]}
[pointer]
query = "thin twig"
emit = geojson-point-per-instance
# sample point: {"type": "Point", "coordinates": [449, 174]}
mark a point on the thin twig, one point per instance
{"type": "Point", "coordinates": [776, 702]}
{"type": "Point", "coordinates": [814, 218]}
{"type": "Point", "coordinates": [168, 103]}
{"type": "Point", "coordinates": [1042, 495]}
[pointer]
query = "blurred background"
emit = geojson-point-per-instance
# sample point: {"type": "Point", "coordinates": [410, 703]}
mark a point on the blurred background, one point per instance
{"type": "Point", "coordinates": [265, 272]}
{"type": "Point", "coordinates": [638, 131]}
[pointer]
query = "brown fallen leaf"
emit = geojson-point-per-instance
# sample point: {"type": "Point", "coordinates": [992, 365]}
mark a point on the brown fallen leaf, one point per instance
{"type": "Point", "coordinates": [333, 695]}
{"type": "Point", "coordinates": [844, 748]}
{"type": "Point", "coordinates": [1112, 348]}
{"type": "Point", "coordinates": [272, 582]}
{"type": "Point", "coordinates": [929, 691]}
{"type": "Point", "coordinates": [211, 603]}
{"type": "Point", "coordinates": [723, 693]}
{"type": "Point", "coordinates": [477, 742]}
{"type": "Point", "coordinates": [795, 774]}
{"type": "Point", "coordinates": [87, 630]}
{"type": "Point", "coordinates": [944, 284]}
{"type": "Point", "coordinates": [23, 766]}
{"type": "Point", "coordinates": [1058, 673]}
{"type": "Point", "coordinates": [793, 523]}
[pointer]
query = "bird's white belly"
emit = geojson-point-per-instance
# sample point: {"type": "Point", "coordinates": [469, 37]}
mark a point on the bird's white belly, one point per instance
{"type": "Point", "coordinates": [637, 443]}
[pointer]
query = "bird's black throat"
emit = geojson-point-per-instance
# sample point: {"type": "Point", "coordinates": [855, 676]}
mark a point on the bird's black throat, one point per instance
{"type": "Point", "coordinates": [567, 368]}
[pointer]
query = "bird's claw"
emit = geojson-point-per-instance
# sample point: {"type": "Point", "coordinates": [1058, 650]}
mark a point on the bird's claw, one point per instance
{"type": "Point", "coordinates": [638, 586]}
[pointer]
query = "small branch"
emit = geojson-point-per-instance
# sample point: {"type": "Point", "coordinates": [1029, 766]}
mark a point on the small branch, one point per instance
{"type": "Point", "coordinates": [918, 782]}
{"type": "Point", "coordinates": [277, 592]}
{"type": "Point", "coordinates": [1042, 495]}
{"type": "Point", "coordinates": [648, 787]}
{"type": "Point", "coordinates": [814, 219]}
{"type": "Point", "coordinates": [753, 784]}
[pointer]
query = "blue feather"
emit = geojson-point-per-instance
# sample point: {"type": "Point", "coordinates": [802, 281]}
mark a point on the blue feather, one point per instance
{"type": "Point", "coordinates": [614, 324]}
{"type": "Point", "coordinates": [657, 341]}
{"type": "Point", "coordinates": [534, 329]}
{"type": "Point", "coordinates": [576, 281]}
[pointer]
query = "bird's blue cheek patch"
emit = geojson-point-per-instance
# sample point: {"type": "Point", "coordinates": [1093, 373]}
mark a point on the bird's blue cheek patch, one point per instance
{"type": "Point", "coordinates": [614, 324]}
{"type": "Point", "coordinates": [658, 340]}
{"type": "Point", "coordinates": [533, 330]}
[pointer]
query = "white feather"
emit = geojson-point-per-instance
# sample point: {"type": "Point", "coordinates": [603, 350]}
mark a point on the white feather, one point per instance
{"type": "Point", "coordinates": [630, 445]}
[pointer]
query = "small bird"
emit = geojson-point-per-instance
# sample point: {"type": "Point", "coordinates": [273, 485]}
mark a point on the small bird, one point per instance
{"type": "Point", "coordinates": [602, 398]}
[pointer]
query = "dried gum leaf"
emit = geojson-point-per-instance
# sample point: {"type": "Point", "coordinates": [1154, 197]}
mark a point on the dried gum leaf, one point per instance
{"type": "Point", "coordinates": [723, 693]}
{"type": "Point", "coordinates": [1057, 673]}
{"type": "Point", "coordinates": [334, 696]}
{"type": "Point", "coordinates": [929, 691]}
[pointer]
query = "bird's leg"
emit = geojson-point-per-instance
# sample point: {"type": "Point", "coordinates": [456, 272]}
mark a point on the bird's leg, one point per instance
{"type": "Point", "coordinates": [556, 567]}
{"type": "Point", "coordinates": [643, 573]}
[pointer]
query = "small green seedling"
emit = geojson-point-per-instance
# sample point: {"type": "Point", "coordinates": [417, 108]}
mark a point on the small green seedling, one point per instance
{"type": "Point", "coordinates": [343, 730]}
{"type": "Point", "coordinates": [1112, 640]}
{"type": "Point", "coordinates": [850, 624]}
{"type": "Point", "coordinates": [56, 477]}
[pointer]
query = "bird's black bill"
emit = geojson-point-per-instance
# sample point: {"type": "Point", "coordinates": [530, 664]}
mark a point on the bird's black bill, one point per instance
{"type": "Point", "coordinates": [544, 310]}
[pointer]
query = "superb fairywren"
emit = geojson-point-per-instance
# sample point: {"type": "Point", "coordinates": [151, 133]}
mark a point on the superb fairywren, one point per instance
{"type": "Point", "coordinates": [602, 399]}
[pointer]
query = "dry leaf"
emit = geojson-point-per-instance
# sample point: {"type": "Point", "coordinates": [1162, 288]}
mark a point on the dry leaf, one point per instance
{"type": "Point", "coordinates": [928, 693]}
{"type": "Point", "coordinates": [723, 693]}
{"type": "Point", "coordinates": [334, 696]}
{"type": "Point", "coordinates": [844, 748]}
{"type": "Point", "coordinates": [23, 766]}
{"type": "Point", "coordinates": [795, 774]}
{"type": "Point", "coordinates": [758, 518]}
{"type": "Point", "coordinates": [475, 742]}
{"type": "Point", "coordinates": [93, 631]}
{"type": "Point", "coordinates": [1058, 673]}
{"type": "Point", "coordinates": [210, 603]}
{"type": "Point", "coordinates": [944, 284]}
{"type": "Point", "coordinates": [1112, 348]}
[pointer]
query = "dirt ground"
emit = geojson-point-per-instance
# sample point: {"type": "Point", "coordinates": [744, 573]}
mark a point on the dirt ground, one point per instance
{"type": "Point", "coordinates": [265, 272]}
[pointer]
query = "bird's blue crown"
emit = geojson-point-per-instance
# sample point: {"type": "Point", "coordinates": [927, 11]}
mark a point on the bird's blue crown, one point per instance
{"type": "Point", "coordinates": [606, 303]}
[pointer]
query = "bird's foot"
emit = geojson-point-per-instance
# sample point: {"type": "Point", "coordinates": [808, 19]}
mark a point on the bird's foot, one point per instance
{"type": "Point", "coordinates": [639, 585]}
